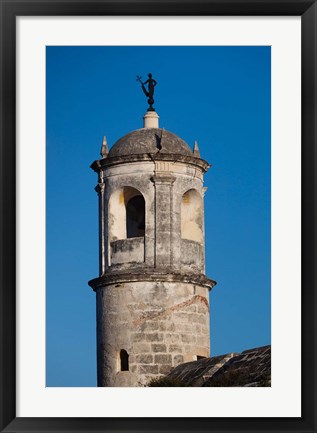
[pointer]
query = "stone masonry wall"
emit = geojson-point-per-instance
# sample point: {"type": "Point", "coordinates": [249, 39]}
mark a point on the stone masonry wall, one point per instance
{"type": "Point", "coordinates": [160, 325]}
{"type": "Point", "coordinates": [162, 185]}
{"type": "Point", "coordinates": [152, 292]}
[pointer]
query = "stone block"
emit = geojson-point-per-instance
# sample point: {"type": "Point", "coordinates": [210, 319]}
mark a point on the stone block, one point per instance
{"type": "Point", "coordinates": [182, 317]}
{"type": "Point", "coordinates": [202, 341]}
{"type": "Point", "coordinates": [150, 326]}
{"type": "Point", "coordinates": [131, 359]}
{"type": "Point", "coordinates": [203, 351]}
{"type": "Point", "coordinates": [144, 359]}
{"type": "Point", "coordinates": [148, 369]}
{"type": "Point", "coordinates": [202, 291]}
{"type": "Point", "coordinates": [194, 318]}
{"type": "Point", "coordinates": [158, 347]}
{"type": "Point", "coordinates": [178, 359]}
{"type": "Point", "coordinates": [154, 337]}
{"type": "Point", "coordinates": [175, 348]}
{"type": "Point", "coordinates": [141, 348]}
{"type": "Point", "coordinates": [202, 308]}
{"type": "Point", "coordinates": [188, 338]}
{"type": "Point", "coordinates": [171, 338]}
{"type": "Point", "coordinates": [205, 330]}
{"type": "Point", "coordinates": [163, 359]}
{"type": "Point", "coordinates": [138, 337]}
{"type": "Point", "coordinates": [198, 329]}
{"type": "Point", "coordinates": [167, 326]}
{"type": "Point", "coordinates": [202, 319]}
{"type": "Point", "coordinates": [187, 328]}
{"type": "Point", "coordinates": [189, 357]}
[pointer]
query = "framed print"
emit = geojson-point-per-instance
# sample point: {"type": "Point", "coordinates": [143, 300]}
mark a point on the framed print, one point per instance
{"type": "Point", "coordinates": [240, 74]}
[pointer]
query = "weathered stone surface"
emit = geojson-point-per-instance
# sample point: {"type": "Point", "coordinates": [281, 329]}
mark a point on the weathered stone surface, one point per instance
{"type": "Point", "coordinates": [152, 292]}
{"type": "Point", "coordinates": [202, 308]}
{"type": "Point", "coordinates": [142, 347]}
{"type": "Point", "coordinates": [182, 317]}
{"type": "Point", "coordinates": [175, 348]}
{"type": "Point", "coordinates": [158, 348]}
{"type": "Point", "coordinates": [167, 326]}
{"type": "Point", "coordinates": [165, 369]}
{"type": "Point", "coordinates": [158, 303]}
{"type": "Point", "coordinates": [138, 337]}
{"type": "Point", "coordinates": [178, 359]}
{"type": "Point", "coordinates": [154, 337]}
{"type": "Point", "coordinates": [146, 157]}
{"type": "Point", "coordinates": [127, 250]}
{"type": "Point", "coordinates": [172, 338]}
{"type": "Point", "coordinates": [144, 359]}
{"type": "Point", "coordinates": [150, 326]}
{"type": "Point", "coordinates": [201, 341]}
{"type": "Point", "coordinates": [148, 274]}
{"type": "Point", "coordinates": [149, 140]}
{"type": "Point", "coordinates": [188, 338]}
{"type": "Point", "coordinates": [163, 359]}
{"type": "Point", "coordinates": [148, 369]}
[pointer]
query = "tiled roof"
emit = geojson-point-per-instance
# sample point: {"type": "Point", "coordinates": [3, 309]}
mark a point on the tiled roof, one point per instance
{"type": "Point", "coordinates": [249, 368]}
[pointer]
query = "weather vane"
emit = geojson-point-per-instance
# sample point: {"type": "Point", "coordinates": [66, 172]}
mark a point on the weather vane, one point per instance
{"type": "Point", "coordinates": [149, 92]}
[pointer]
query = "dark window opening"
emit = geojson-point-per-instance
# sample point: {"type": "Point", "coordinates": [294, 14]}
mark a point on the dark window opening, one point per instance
{"type": "Point", "coordinates": [124, 360]}
{"type": "Point", "coordinates": [135, 217]}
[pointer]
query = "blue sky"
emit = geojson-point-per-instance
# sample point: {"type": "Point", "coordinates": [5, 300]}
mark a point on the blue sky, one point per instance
{"type": "Point", "coordinates": [219, 96]}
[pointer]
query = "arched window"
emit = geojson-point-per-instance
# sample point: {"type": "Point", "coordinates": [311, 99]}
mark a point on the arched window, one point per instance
{"type": "Point", "coordinates": [124, 360]}
{"type": "Point", "coordinates": [192, 216]}
{"type": "Point", "coordinates": [126, 214]}
{"type": "Point", "coordinates": [135, 220]}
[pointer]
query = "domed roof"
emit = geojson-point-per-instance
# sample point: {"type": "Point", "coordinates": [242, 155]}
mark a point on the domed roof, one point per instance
{"type": "Point", "coordinates": [150, 140]}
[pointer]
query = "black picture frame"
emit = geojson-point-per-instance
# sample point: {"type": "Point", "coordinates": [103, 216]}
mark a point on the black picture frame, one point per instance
{"type": "Point", "coordinates": [10, 9]}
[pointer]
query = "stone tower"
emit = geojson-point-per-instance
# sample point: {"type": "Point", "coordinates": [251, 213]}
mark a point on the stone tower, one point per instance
{"type": "Point", "coordinates": [152, 293]}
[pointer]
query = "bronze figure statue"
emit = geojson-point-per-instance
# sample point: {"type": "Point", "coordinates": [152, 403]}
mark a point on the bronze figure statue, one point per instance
{"type": "Point", "coordinates": [150, 91]}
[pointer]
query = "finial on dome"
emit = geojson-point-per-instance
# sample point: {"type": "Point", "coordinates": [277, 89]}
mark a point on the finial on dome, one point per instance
{"type": "Point", "coordinates": [104, 148]}
{"type": "Point", "coordinates": [196, 150]}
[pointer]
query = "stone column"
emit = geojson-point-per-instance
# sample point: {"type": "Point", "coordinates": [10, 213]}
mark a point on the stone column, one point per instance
{"type": "Point", "coordinates": [163, 182]}
{"type": "Point", "coordinates": [100, 189]}
{"type": "Point", "coordinates": [203, 263]}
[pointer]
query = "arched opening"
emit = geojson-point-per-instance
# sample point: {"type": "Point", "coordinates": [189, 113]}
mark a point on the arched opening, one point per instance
{"type": "Point", "coordinates": [124, 360]}
{"type": "Point", "coordinates": [135, 219]}
{"type": "Point", "coordinates": [192, 216]}
{"type": "Point", "coordinates": [126, 226]}
{"type": "Point", "coordinates": [126, 214]}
